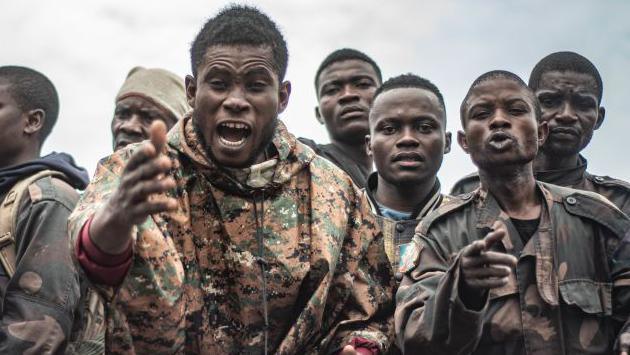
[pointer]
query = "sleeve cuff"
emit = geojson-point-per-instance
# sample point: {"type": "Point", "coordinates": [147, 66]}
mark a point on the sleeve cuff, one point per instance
{"type": "Point", "coordinates": [101, 267]}
{"type": "Point", "coordinates": [364, 346]}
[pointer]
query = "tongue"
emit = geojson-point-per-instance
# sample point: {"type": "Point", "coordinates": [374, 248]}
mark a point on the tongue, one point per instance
{"type": "Point", "coordinates": [232, 134]}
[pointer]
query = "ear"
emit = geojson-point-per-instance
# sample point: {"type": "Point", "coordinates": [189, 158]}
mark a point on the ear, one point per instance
{"type": "Point", "coordinates": [368, 145]}
{"type": "Point", "coordinates": [283, 95]}
{"type": "Point", "coordinates": [318, 115]}
{"type": "Point", "coordinates": [191, 90]}
{"type": "Point", "coordinates": [463, 142]}
{"type": "Point", "coordinates": [34, 121]}
{"type": "Point", "coordinates": [543, 133]}
{"type": "Point", "coordinates": [600, 117]}
{"type": "Point", "coordinates": [447, 142]}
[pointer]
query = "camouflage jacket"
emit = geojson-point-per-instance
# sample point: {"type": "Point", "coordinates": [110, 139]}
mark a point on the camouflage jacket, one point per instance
{"type": "Point", "coordinates": [398, 234]}
{"type": "Point", "coordinates": [570, 293]}
{"type": "Point", "coordinates": [302, 251]}
{"type": "Point", "coordinates": [40, 302]}
{"type": "Point", "coordinates": [616, 191]}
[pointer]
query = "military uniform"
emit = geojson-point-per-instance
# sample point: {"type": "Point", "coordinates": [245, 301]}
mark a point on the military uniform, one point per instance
{"type": "Point", "coordinates": [617, 191]}
{"type": "Point", "coordinates": [40, 303]}
{"type": "Point", "coordinates": [570, 292]}
{"type": "Point", "coordinates": [398, 234]}
{"type": "Point", "coordinates": [288, 261]}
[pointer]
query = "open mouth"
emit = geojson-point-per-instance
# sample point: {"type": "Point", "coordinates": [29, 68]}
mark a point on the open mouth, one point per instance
{"type": "Point", "coordinates": [233, 134]}
{"type": "Point", "coordinates": [500, 140]}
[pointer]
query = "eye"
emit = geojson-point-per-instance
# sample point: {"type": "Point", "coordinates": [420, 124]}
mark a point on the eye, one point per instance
{"type": "Point", "coordinates": [330, 90]}
{"type": "Point", "coordinates": [123, 113]}
{"type": "Point", "coordinates": [425, 128]}
{"type": "Point", "coordinates": [217, 84]}
{"type": "Point", "coordinates": [585, 104]}
{"type": "Point", "coordinates": [548, 102]}
{"type": "Point", "coordinates": [364, 84]}
{"type": "Point", "coordinates": [480, 114]}
{"type": "Point", "coordinates": [256, 86]}
{"type": "Point", "coordinates": [517, 111]}
{"type": "Point", "coordinates": [389, 129]}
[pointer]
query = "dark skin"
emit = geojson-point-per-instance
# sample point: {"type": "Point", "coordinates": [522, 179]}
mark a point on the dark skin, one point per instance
{"type": "Point", "coordinates": [133, 117]}
{"type": "Point", "coordinates": [502, 137]}
{"type": "Point", "coordinates": [570, 106]}
{"type": "Point", "coordinates": [19, 130]}
{"type": "Point", "coordinates": [407, 142]}
{"type": "Point", "coordinates": [235, 84]}
{"type": "Point", "coordinates": [345, 94]}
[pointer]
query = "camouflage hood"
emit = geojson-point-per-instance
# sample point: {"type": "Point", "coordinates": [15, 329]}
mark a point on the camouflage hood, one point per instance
{"type": "Point", "coordinates": [268, 176]}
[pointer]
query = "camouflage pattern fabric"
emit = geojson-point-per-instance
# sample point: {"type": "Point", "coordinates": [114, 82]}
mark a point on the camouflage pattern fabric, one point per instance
{"type": "Point", "coordinates": [570, 293]}
{"type": "Point", "coordinates": [615, 190]}
{"type": "Point", "coordinates": [195, 284]}
{"type": "Point", "coordinates": [41, 306]}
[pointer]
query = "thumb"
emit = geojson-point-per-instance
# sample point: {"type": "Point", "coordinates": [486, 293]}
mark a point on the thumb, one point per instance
{"type": "Point", "coordinates": [157, 136]}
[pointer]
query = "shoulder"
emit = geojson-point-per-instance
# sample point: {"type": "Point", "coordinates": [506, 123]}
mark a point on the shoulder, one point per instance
{"type": "Point", "coordinates": [609, 182]}
{"type": "Point", "coordinates": [450, 205]}
{"type": "Point", "coordinates": [50, 188]}
{"type": "Point", "coordinates": [466, 184]}
{"type": "Point", "coordinates": [309, 143]}
{"type": "Point", "coordinates": [323, 171]}
{"type": "Point", "coordinates": [590, 205]}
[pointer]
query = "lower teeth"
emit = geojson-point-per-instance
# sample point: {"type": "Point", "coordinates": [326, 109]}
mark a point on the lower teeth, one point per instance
{"type": "Point", "coordinates": [232, 143]}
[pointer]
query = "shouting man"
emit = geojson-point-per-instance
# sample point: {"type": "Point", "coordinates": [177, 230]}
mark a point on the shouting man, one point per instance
{"type": "Point", "coordinates": [231, 236]}
{"type": "Point", "coordinates": [517, 266]}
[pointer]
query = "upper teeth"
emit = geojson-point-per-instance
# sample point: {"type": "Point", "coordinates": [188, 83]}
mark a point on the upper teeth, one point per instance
{"type": "Point", "coordinates": [234, 125]}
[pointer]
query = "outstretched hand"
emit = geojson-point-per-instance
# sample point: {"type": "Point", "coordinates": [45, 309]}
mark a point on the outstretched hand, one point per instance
{"type": "Point", "coordinates": [135, 199]}
{"type": "Point", "coordinates": [482, 269]}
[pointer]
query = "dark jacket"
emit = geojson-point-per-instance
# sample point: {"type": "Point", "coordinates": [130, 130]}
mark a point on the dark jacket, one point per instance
{"type": "Point", "coordinates": [40, 302]}
{"type": "Point", "coordinates": [570, 293]}
{"type": "Point", "coordinates": [338, 157]}
{"type": "Point", "coordinates": [617, 191]}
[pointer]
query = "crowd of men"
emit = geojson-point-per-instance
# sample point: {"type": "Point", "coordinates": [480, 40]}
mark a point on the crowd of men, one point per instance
{"type": "Point", "coordinates": [212, 229]}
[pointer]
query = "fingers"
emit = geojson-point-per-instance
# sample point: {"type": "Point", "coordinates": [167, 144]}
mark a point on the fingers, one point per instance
{"type": "Point", "coordinates": [489, 258]}
{"type": "Point", "coordinates": [496, 271]}
{"type": "Point", "coordinates": [141, 210]}
{"type": "Point", "coordinates": [149, 170]}
{"type": "Point", "coordinates": [142, 190]}
{"type": "Point", "coordinates": [493, 237]}
{"type": "Point", "coordinates": [487, 283]}
{"type": "Point", "coordinates": [475, 248]}
{"type": "Point", "coordinates": [157, 135]}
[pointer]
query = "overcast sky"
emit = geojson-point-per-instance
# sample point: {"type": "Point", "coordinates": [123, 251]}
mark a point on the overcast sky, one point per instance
{"type": "Point", "coordinates": [87, 48]}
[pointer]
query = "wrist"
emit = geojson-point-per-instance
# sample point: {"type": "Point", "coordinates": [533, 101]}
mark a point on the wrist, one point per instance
{"type": "Point", "coordinates": [109, 236]}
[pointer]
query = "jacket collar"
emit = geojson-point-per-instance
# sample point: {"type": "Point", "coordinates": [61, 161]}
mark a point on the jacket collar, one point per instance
{"type": "Point", "coordinates": [430, 202]}
{"type": "Point", "coordinates": [290, 158]}
{"type": "Point", "coordinates": [564, 177]}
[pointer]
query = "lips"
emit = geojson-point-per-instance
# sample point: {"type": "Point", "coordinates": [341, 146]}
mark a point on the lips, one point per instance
{"type": "Point", "coordinates": [352, 111]}
{"type": "Point", "coordinates": [500, 140]}
{"type": "Point", "coordinates": [122, 140]}
{"type": "Point", "coordinates": [565, 132]}
{"type": "Point", "coordinates": [233, 134]}
{"type": "Point", "coordinates": [408, 159]}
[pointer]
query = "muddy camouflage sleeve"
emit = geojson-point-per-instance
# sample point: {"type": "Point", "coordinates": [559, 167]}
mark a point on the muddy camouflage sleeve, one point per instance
{"type": "Point", "coordinates": [368, 312]}
{"type": "Point", "coordinates": [430, 315]}
{"type": "Point", "coordinates": [41, 297]}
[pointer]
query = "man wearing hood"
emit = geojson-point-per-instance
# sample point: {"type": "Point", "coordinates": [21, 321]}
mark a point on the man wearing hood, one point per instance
{"type": "Point", "coordinates": [148, 94]}
{"type": "Point", "coordinates": [39, 284]}
{"type": "Point", "coordinates": [228, 235]}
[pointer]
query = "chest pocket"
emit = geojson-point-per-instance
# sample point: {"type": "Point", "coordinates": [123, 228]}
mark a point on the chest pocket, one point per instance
{"type": "Point", "coordinates": [589, 296]}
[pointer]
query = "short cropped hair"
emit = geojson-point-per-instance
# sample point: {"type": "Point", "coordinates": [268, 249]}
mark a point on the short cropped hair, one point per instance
{"type": "Point", "coordinates": [344, 54]}
{"type": "Point", "coordinates": [564, 62]}
{"type": "Point", "coordinates": [499, 74]}
{"type": "Point", "coordinates": [410, 80]}
{"type": "Point", "coordinates": [32, 90]}
{"type": "Point", "coordinates": [241, 25]}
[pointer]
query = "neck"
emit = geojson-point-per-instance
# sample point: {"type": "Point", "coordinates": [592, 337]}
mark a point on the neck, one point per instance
{"type": "Point", "coordinates": [20, 158]}
{"type": "Point", "coordinates": [356, 152]}
{"type": "Point", "coordinates": [544, 162]}
{"type": "Point", "coordinates": [402, 197]}
{"type": "Point", "coordinates": [515, 190]}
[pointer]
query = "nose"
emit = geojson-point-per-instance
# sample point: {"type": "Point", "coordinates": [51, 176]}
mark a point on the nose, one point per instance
{"type": "Point", "coordinates": [132, 125]}
{"type": "Point", "coordinates": [408, 138]}
{"type": "Point", "coordinates": [236, 101]}
{"type": "Point", "coordinates": [348, 94]}
{"type": "Point", "coordinates": [566, 114]}
{"type": "Point", "coordinates": [499, 120]}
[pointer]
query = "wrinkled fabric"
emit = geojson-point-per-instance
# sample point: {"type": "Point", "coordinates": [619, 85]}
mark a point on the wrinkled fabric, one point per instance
{"type": "Point", "coordinates": [195, 284]}
{"type": "Point", "coordinates": [569, 294]}
{"type": "Point", "coordinates": [615, 190]}
{"type": "Point", "coordinates": [41, 309]}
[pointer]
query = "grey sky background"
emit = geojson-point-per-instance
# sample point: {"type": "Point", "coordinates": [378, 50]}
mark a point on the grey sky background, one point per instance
{"type": "Point", "coordinates": [87, 48]}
